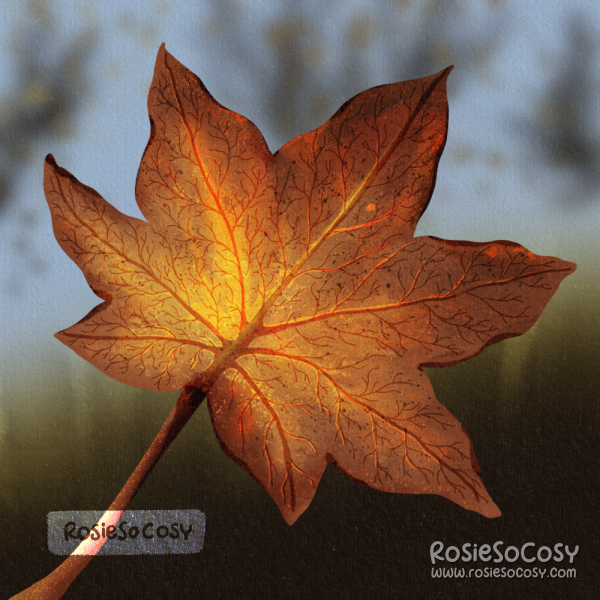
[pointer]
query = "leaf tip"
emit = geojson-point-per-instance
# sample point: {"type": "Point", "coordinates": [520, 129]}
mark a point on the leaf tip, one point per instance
{"type": "Point", "coordinates": [50, 171]}
{"type": "Point", "coordinates": [290, 517]}
{"type": "Point", "coordinates": [50, 165]}
{"type": "Point", "coordinates": [291, 513]}
{"type": "Point", "coordinates": [443, 76]}
{"type": "Point", "coordinates": [163, 56]}
{"type": "Point", "coordinates": [492, 511]}
{"type": "Point", "coordinates": [162, 52]}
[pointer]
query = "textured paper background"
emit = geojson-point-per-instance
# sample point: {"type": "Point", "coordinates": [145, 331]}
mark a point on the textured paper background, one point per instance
{"type": "Point", "coordinates": [521, 163]}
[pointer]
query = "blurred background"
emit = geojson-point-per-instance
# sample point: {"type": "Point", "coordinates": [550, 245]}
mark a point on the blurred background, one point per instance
{"type": "Point", "coordinates": [521, 163]}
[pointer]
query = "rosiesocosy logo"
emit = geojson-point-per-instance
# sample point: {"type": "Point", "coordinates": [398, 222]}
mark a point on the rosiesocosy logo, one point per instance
{"type": "Point", "coordinates": [499, 553]}
{"type": "Point", "coordinates": [126, 532]}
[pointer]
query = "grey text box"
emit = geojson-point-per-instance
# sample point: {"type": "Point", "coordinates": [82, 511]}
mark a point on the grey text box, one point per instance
{"type": "Point", "coordinates": [133, 532]}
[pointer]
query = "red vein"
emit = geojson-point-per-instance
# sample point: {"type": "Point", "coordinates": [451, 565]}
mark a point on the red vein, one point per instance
{"type": "Point", "coordinates": [251, 327]}
{"type": "Point", "coordinates": [427, 449]}
{"type": "Point", "coordinates": [214, 195]}
{"type": "Point", "coordinates": [156, 338]}
{"type": "Point", "coordinates": [287, 455]}
{"type": "Point", "coordinates": [269, 329]}
{"type": "Point", "coordinates": [148, 272]}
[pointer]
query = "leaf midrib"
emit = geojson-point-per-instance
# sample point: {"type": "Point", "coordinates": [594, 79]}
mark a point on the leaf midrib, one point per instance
{"type": "Point", "coordinates": [214, 196]}
{"type": "Point", "coordinates": [402, 304]}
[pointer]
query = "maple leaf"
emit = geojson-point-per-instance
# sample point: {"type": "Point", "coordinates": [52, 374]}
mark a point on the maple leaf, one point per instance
{"type": "Point", "coordinates": [290, 289]}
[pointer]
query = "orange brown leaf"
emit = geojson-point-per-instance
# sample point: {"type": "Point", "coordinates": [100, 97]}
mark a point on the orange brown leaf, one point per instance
{"type": "Point", "coordinates": [291, 289]}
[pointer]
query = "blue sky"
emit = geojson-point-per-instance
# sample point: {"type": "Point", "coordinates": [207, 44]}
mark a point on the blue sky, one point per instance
{"type": "Point", "coordinates": [493, 182]}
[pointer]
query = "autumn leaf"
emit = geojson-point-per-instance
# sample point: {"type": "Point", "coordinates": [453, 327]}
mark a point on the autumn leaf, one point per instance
{"type": "Point", "coordinates": [290, 287]}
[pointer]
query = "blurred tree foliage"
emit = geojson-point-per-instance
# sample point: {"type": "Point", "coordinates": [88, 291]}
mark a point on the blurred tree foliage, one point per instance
{"type": "Point", "coordinates": [565, 128]}
{"type": "Point", "coordinates": [50, 85]}
{"type": "Point", "coordinates": [321, 63]}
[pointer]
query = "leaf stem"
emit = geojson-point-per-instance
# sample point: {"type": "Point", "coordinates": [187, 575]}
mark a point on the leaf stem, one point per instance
{"type": "Point", "coordinates": [54, 585]}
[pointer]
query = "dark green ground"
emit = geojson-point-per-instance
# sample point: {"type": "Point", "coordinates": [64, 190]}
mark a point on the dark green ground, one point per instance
{"type": "Point", "coordinates": [529, 404]}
